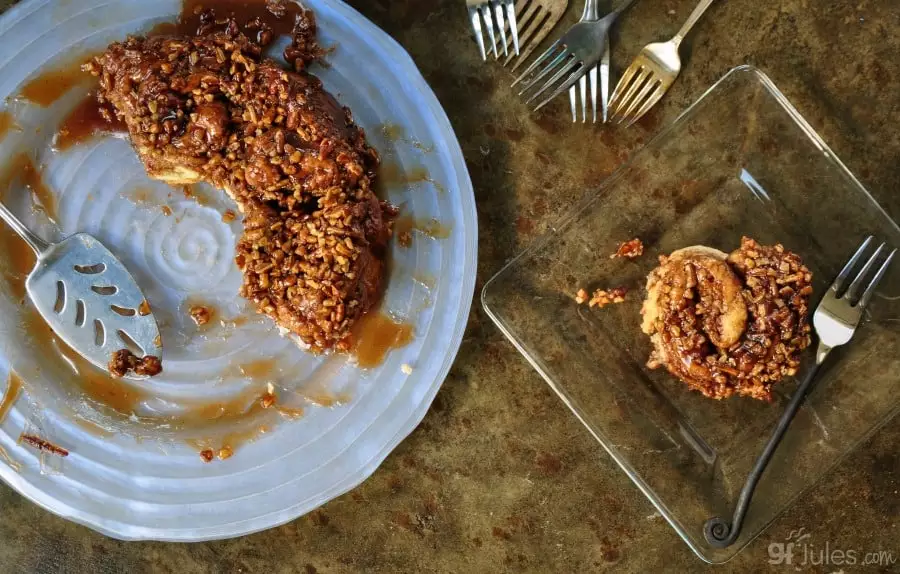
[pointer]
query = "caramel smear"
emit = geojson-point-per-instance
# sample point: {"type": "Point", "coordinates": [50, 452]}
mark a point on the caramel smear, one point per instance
{"type": "Point", "coordinates": [377, 335]}
{"type": "Point", "coordinates": [13, 389]}
{"type": "Point", "coordinates": [52, 84]}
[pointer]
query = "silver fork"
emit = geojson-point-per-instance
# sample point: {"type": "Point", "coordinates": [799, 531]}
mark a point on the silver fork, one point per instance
{"type": "Point", "coordinates": [568, 59]}
{"type": "Point", "coordinates": [591, 14]}
{"type": "Point", "coordinates": [536, 18]}
{"type": "Point", "coordinates": [583, 81]}
{"type": "Point", "coordinates": [491, 13]}
{"type": "Point", "coordinates": [835, 320]}
{"type": "Point", "coordinates": [651, 74]}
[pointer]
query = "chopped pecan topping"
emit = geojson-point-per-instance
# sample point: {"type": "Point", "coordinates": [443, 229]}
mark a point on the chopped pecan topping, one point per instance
{"type": "Point", "coordinates": [729, 324]}
{"type": "Point", "coordinates": [630, 249]}
{"type": "Point", "coordinates": [211, 108]}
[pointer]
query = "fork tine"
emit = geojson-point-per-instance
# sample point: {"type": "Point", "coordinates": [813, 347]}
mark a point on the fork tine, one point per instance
{"type": "Point", "coordinates": [564, 69]}
{"type": "Point", "coordinates": [528, 71]}
{"type": "Point", "coordinates": [572, 98]}
{"type": "Point", "coordinates": [476, 27]}
{"type": "Point", "coordinates": [593, 80]}
{"type": "Point", "coordinates": [604, 81]}
{"type": "Point", "coordinates": [623, 84]}
{"type": "Point", "coordinates": [649, 89]}
{"type": "Point", "coordinates": [568, 83]}
{"type": "Point", "coordinates": [838, 284]}
{"type": "Point", "coordinates": [870, 290]}
{"type": "Point", "coordinates": [554, 64]}
{"type": "Point", "coordinates": [501, 25]}
{"type": "Point", "coordinates": [853, 291]}
{"type": "Point", "coordinates": [513, 26]}
{"type": "Point", "coordinates": [582, 84]}
{"type": "Point", "coordinates": [489, 24]}
{"type": "Point", "coordinates": [625, 100]}
{"type": "Point", "coordinates": [657, 95]}
{"type": "Point", "coordinates": [533, 32]}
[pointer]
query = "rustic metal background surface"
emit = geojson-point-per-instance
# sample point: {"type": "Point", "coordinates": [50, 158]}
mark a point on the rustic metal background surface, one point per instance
{"type": "Point", "coordinates": [499, 476]}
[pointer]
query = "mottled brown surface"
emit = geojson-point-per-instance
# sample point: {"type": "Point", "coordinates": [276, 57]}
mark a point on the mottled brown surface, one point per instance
{"type": "Point", "coordinates": [499, 476]}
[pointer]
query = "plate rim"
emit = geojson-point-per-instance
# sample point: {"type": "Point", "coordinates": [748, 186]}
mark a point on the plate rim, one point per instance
{"type": "Point", "coordinates": [466, 192]}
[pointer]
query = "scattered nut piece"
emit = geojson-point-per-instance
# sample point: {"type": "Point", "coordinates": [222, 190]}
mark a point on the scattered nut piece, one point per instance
{"type": "Point", "coordinates": [201, 314]}
{"type": "Point", "coordinates": [207, 455]}
{"type": "Point", "coordinates": [42, 444]}
{"type": "Point", "coordinates": [167, 211]}
{"type": "Point", "coordinates": [225, 452]}
{"type": "Point", "coordinates": [124, 361]}
{"type": "Point", "coordinates": [228, 216]}
{"type": "Point", "coordinates": [601, 298]}
{"type": "Point", "coordinates": [630, 249]}
{"type": "Point", "coordinates": [581, 296]}
{"type": "Point", "coordinates": [269, 398]}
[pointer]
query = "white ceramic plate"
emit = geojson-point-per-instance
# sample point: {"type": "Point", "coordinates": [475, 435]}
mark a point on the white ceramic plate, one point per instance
{"type": "Point", "coordinates": [145, 482]}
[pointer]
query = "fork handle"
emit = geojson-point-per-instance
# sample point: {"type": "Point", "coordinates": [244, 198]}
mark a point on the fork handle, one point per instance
{"type": "Point", "coordinates": [717, 531]}
{"type": "Point", "coordinates": [591, 11]}
{"type": "Point", "coordinates": [692, 19]}
{"type": "Point", "coordinates": [36, 243]}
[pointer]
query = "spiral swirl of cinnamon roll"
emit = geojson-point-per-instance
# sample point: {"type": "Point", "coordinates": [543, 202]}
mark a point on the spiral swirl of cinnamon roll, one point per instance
{"type": "Point", "coordinates": [728, 324]}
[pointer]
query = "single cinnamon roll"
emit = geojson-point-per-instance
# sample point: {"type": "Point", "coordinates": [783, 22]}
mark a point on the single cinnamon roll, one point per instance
{"type": "Point", "coordinates": [726, 324]}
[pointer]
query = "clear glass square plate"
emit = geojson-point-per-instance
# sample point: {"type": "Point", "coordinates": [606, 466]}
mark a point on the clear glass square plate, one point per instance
{"type": "Point", "coordinates": [740, 161]}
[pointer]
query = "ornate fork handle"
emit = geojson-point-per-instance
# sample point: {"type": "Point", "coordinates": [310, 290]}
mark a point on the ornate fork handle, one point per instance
{"type": "Point", "coordinates": [717, 531]}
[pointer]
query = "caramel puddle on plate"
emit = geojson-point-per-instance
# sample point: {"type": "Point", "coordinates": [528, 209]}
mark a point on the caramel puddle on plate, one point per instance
{"type": "Point", "coordinates": [21, 172]}
{"type": "Point", "coordinates": [53, 83]}
{"type": "Point", "coordinates": [257, 370]}
{"type": "Point", "coordinates": [391, 174]}
{"type": "Point", "coordinates": [405, 225]}
{"type": "Point", "coordinates": [96, 385]}
{"type": "Point", "coordinates": [87, 119]}
{"type": "Point", "coordinates": [7, 123]}
{"type": "Point", "coordinates": [16, 257]}
{"type": "Point", "coordinates": [375, 336]}
{"type": "Point", "coordinates": [395, 133]}
{"type": "Point", "coordinates": [244, 11]}
{"type": "Point", "coordinates": [16, 262]}
{"type": "Point", "coordinates": [13, 389]}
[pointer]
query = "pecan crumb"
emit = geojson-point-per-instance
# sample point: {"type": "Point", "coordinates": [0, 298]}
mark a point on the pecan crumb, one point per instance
{"type": "Point", "coordinates": [630, 249]}
{"type": "Point", "coordinates": [228, 216]}
{"type": "Point", "coordinates": [167, 211]}
{"type": "Point", "coordinates": [124, 361]}
{"type": "Point", "coordinates": [201, 314]}
{"type": "Point", "coordinates": [207, 455]}
{"type": "Point", "coordinates": [225, 452]}
{"type": "Point", "coordinates": [42, 444]}
{"type": "Point", "coordinates": [269, 398]}
{"type": "Point", "coordinates": [581, 296]}
{"type": "Point", "coordinates": [601, 298]}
